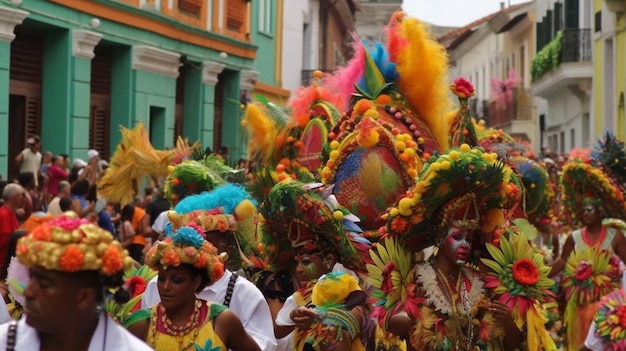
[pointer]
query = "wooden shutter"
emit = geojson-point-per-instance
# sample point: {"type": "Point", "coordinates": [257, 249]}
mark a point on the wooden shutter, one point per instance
{"type": "Point", "coordinates": [100, 112]}
{"type": "Point", "coordinates": [99, 120]}
{"type": "Point", "coordinates": [571, 14]}
{"type": "Point", "coordinates": [236, 15]}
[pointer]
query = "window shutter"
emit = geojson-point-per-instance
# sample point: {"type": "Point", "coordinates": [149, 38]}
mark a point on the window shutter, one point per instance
{"type": "Point", "coordinates": [218, 113]}
{"type": "Point", "coordinates": [99, 126]}
{"type": "Point", "coordinates": [571, 14]}
{"type": "Point", "coordinates": [100, 113]}
{"type": "Point", "coordinates": [236, 15]}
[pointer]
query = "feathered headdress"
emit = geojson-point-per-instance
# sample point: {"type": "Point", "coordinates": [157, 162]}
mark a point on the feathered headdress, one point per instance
{"type": "Point", "coordinates": [538, 195]}
{"type": "Point", "coordinates": [463, 187]}
{"type": "Point", "coordinates": [582, 180]}
{"type": "Point", "coordinates": [610, 152]}
{"type": "Point", "coordinates": [308, 219]}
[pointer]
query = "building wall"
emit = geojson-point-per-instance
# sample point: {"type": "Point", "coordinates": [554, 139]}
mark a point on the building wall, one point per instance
{"type": "Point", "coordinates": [295, 15]}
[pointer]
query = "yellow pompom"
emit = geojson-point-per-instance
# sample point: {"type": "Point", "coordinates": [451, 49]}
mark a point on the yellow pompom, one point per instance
{"type": "Point", "coordinates": [372, 113]}
{"type": "Point", "coordinates": [445, 165]}
{"type": "Point", "coordinates": [394, 212]}
{"type": "Point", "coordinates": [170, 169]}
{"type": "Point", "coordinates": [369, 139]}
{"type": "Point", "coordinates": [454, 155]}
{"type": "Point", "coordinates": [334, 154]}
{"type": "Point", "coordinates": [244, 210]}
{"type": "Point", "coordinates": [435, 167]}
{"type": "Point", "coordinates": [400, 145]}
{"type": "Point", "coordinates": [464, 148]}
{"type": "Point", "coordinates": [334, 145]}
{"type": "Point", "coordinates": [409, 152]}
{"type": "Point", "coordinates": [333, 288]}
{"type": "Point", "coordinates": [338, 215]}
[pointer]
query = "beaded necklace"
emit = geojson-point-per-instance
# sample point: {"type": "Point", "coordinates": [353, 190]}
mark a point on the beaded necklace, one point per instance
{"type": "Point", "coordinates": [178, 331]}
{"type": "Point", "coordinates": [450, 296]}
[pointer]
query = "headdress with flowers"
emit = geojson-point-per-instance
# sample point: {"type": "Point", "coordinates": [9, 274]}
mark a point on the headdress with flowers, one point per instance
{"type": "Point", "coordinates": [228, 208]}
{"type": "Point", "coordinates": [187, 246]}
{"type": "Point", "coordinates": [71, 244]}
{"type": "Point", "coordinates": [582, 179]}
{"type": "Point", "coordinates": [538, 195]}
{"type": "Point", "coordinates": [610, 321]}
{"type": "Point", "coordinates": [519, 278]}
{"type": "Point", "coordinates": [610, 151]}
{"type": "Point", "coordinates": [308, 219]}
{"type": "Point", "coordinates": [464, 187]}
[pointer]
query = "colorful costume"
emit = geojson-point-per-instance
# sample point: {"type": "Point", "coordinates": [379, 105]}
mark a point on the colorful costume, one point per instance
{"type": "Point", "coordinates": [204, 335]}
{"type": "Point", "coordinates": [591, 271]}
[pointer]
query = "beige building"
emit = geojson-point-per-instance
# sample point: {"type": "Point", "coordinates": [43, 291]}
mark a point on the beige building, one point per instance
{"type": "Point", "coordinates": [495, 54]}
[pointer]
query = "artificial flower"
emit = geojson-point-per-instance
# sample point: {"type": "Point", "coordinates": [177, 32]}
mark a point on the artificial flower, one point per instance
{"type": "Point", "coordinates": [611, 321]}
{"type": "Point", "coordinates": [463, 88]}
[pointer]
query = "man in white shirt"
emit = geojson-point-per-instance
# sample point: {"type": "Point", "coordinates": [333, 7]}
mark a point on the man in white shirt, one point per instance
{"type": "Point", "coordinates": [29, 159]}
{"type": "Point", "coordinates": [64, 300]}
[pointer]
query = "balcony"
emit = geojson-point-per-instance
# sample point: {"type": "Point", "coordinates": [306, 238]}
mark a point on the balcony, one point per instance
{"type": "Point", "coordinates": [574, 64]}
{"type": "Point", "coordinates": [519, 109]}
{"type": "Point", "coordinates": [615, 5]}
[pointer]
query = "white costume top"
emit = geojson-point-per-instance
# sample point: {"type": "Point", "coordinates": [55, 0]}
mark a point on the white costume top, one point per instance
{"type": "Point", "coordinates": [4, 313]}
{"type": "Point", "coordinates": [116, 338]}
{"type": "Point", "coordinates": [247, 303]}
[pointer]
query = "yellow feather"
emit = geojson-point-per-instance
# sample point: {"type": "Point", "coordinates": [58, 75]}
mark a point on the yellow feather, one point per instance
{"type": "Point", "coordinates": [423, 69]}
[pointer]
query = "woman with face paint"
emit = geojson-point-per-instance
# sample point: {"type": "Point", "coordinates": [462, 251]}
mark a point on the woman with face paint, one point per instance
{"type": "Point", "coordinates": [442, 300]}
{"type": "Point", "coordinates": [317, 239]}
{"type": "Point", "coordinates": [590, 261]}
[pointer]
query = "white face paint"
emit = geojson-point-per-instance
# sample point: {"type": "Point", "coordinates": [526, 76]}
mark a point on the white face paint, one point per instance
{"type": "Point", "coordinates": [457, 245]}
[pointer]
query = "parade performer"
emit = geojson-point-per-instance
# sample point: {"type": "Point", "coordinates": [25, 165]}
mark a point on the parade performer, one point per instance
{"type": "Point", "coordinates": [439, 303]}
{"type": "Point", "coordinates": [591, 254]}
{"type": "Point", "coordinates": [71, 262]}
{"type": "Point", "coordinates": [322, 240]}
{"type": "Point", "coordinates": [225, 216]}
{"type": "Point", "coordinates": [186, 263]}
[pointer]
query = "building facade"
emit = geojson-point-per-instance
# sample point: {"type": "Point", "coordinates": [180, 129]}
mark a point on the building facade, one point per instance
{"type": "Point", "coordinates": [75, 71]}
{"type": "Point", "coordinates": [609, 66]}
{"type": "Point", "coordinates": [495, 53]}
{"type": "Point", "coordinates": [563, 73]}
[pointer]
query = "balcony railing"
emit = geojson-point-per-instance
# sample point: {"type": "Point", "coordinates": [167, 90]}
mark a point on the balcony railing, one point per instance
{"type": "Point", "coordinates": [576, 45]}
{"type": "Point", "coordinates": [519, 109]}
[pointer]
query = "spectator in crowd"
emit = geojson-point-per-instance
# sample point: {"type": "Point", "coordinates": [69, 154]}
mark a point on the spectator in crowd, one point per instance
{"type": "Point", "coordinates": [29, 159]}
{"type": "Point", "coordinates": [27, 181]}
{"type": "Point", "coordinates": [56, 174]}
{"type": "Point", "coordinates": [79, 191]}
{"type": "Point", "coordinates": [66, 163]}
{"type": "Point", "coordinates": [76, 172]}
{"type": "Point", "coordinates": [46, 161]}
{"type": "Point", "coordinates": [13, 196]}
{"type": "Point", "coordinates": [63, 191]}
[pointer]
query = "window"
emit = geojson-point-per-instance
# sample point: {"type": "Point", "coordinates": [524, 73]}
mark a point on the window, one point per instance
{"type": "Point", "coordinates": [236, 15]}
{"type": "Point", "coordinates": [571, 14]}
{"type": "Point", "coordinates": [598, 22]}
{"type": "Point", "coordinates": [572, 138]}
{"type": "Point", "coordinates": [265, 17]}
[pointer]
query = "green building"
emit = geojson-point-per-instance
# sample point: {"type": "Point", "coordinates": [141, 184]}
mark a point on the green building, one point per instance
{"type": "Point", "coordinates": [74, 71]}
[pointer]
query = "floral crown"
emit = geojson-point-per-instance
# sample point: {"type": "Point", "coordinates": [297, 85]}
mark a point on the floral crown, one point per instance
{"type": "Point", "coordinates": [71, 244]}
{"type": "Point", "coordinates": [187, 246]}
{"type": "Point", "coordinates": [581, 180]}
{"type": "Point", "coordinates": [464, 187]}
{"type": "Point", "coordinates": [308, 218]}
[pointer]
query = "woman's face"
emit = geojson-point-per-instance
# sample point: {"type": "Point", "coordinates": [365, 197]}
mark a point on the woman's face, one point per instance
{"type": "Point", "coordinates": [457, 245]}
{"type": "Point", "coordinates": [177, 287]}
{"type": "Point", "coordinates": [311, 267]}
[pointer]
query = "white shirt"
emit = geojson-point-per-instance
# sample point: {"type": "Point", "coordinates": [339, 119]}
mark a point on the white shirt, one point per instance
{"type": "Point", "coordinates": [247, 303]}
{"type": "Point", "coordinates": [160, 222]}
{"type": "Point", "coordinates": [108, 336]}
{"type": "Point", "coordinates": [4, 313]}
{"type": "Point", "coordinates": [31, 163]}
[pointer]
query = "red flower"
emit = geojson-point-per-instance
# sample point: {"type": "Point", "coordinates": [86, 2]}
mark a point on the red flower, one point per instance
{"type": "Point", "coordinates": [136, 285]}
{"type": "Point", "coordinates": [72, 259]}
{"type": "Point", "coordinates": [525, 272]}
{"type": "Point", "coordinates": [463, 88]}
{"type": "Point", "coordinates": [583, 271]}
